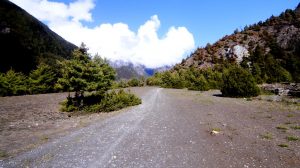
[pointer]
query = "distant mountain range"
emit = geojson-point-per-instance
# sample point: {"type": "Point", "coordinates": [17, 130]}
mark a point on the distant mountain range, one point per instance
{"type": "Point", "coordinates": [25, 41]}
{"type": "Point", "coordinates": [127, 70]}
{"type": "Point", "coordinates": [277, 40]}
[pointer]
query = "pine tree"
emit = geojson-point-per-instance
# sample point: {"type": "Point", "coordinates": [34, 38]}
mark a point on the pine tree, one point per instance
{"type": "Point", "coordinates": [42, 80]}
{"type": "Point", "coordinates": [82, 74]}
{"type": "Point", "coordinates": [238, 82]}
{"type": "Point", "coordinates": [14, 83]}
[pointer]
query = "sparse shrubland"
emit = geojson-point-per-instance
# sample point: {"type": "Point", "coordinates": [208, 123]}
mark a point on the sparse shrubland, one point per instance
{"type": "Point", "coordinates": [79, 75]}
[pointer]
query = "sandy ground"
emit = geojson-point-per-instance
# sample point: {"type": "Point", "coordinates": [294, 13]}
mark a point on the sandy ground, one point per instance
{"type": "Point", "coordinates": [172, 128]}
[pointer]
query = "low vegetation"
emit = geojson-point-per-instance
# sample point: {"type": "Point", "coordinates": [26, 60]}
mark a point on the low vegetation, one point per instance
{"type": "Point", "coordinates": [295, 127]}
{"type": "Point", "coordinates": [282, 127]}
{"type": "Point", "coordinates": [78, 75]}
{"type": "Point", "coordinates": [283, 145]}
{"type": "Point", "coordinates": [292, 138]}
{"type": "Point", "coordinates": [267, 136]}
{"type": "Point", "coordinates": [114, 100]}
{"type": "Point", "coordinates": [232, 80]}
{"type": "Point", "coordinates": [238, 82]}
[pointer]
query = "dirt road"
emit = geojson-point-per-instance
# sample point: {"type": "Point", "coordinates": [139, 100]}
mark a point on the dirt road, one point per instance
{"type": "Point", "coordinates": [171, 128]}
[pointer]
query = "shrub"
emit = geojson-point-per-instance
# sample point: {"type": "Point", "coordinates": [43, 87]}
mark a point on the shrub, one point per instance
{"type": "Point", "coordinates": [238, 82]}
{"type": "Point", "coordinates": [199, 84]}
{"type": "Point", "coordinates": [122, 84]}
{"type": "Point", "coordinates": [172, 80]}
{"type": "Point", "coordinates": [114, 100]}
{"type": "Point", "coordinates": [134, 82]}
{"type": "Point", "coordinates": [13, 83]}
{"type": "Point", "coordinates": [154, 80]}
{"type": "Point", "coordinates": [42, 80]}
{"type": "Point", "coordinates": [83, 74]}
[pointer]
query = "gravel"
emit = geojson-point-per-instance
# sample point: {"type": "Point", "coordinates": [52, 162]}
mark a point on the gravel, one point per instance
{"type": "Point", "coordinates": [172, 128]}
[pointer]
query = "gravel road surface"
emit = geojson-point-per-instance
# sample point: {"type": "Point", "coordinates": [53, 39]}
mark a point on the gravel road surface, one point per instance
{"type": "Point", "coordinates": [171, 128]}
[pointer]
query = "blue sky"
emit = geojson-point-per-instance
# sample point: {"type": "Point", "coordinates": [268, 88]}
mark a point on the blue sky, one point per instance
{"type": "Point", "coordinates": [150, 32]}
{"type": "Point", "coordinates": [207, 20]}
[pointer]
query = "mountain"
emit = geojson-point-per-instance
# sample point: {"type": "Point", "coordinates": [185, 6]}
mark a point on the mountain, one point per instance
{"type": "Point", "coordinates": [25, 41]}
{"type": "Point", "coordinates": [128, 70]}
{"type": "Point", "coordinates": [272, 45]}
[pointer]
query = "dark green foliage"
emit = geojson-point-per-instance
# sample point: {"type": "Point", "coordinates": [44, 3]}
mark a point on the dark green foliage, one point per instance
{"type": "Point", "coordinates": [213, 77]}
{"type": "Point", "coordinates": [199, 83]}
{"type": "Point", "coordinates": [172, 80]}
{"type": "Point", "coordinates": [134, 82]}
{"type": "Point", "coordinates": [42, 80]}
{"type": "Point", "coordinates": [238, 82]}
{"type": "Point", "coordinates": [191, 78]}
{"type": "Point", "coordinates": [24, 39]}
{"type": "Point", "coordinates": [68, 105]}
{"type": "Point", "coordinates": [265, 68]}
{"type": "Point", "coordinates": [13, 83]}
{"type": "Point", "coordinates": [97, 102]}
{"type": "Point", "coordinates": [83, 74]}
{"type": "Point", "coordinates": [122, 84]}
{"type": "Point", "coordinates": [114, 100]}
{"type": "Point", "coordinates": [154, 80]}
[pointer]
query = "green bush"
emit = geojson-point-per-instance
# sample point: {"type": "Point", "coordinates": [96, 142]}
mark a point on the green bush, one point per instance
{"type": "Point", "coordinates": [68, 105]}
{"type": "Point", "coordinates": [13, 83]}
{"type": "Point", "coordinates": [134, 82]}
{"type": "Point", "coordinates": [199, 84]}
{"type": "Point", "coordinates": [238, 82]}
{"type": "Point", "coordinates": [114, 100]}
{"type": "Point", "coordinates": [122, 84]}
{"type": "Point", "coordinates": [83, 74]}
{"type": "Point", "coordinates": [42, 80]}
{"type": "Point", "coordinates": [172, 80]}
{"type": "Point", "coordinates": [97, 102]}
{"type": "Point", "coordinates": [154, 80]}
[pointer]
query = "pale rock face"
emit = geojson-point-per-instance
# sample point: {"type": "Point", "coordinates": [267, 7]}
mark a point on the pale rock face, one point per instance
{"type": "Point", "coordinates": [240, 52]}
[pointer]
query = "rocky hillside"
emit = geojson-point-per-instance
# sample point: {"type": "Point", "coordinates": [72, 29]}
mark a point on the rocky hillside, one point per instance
{"type": "Point", "coordinates": [276, 39]}
{"type": "Point", "coordinates": [25, 41]}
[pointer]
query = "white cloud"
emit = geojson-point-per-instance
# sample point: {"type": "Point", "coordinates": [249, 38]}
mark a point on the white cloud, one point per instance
{"type": "Point", "coordinates": [113, 41]}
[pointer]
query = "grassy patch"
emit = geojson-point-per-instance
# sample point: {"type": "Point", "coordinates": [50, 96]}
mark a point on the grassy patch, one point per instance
{"type": "Point", "coordinates": [292, 138]}
{"type": "Point", "coordinates": [282, 127]}
{"type": "Point", "coordinates": [295, 127]}
{"type": "Point", "coordinates": [290, 115]}
{"type": "Point", "coordinates": [216, 129]}
{"type": "Point", "coordinates": [283, 145]}
{"type": "Point", "coordinates": [44, 138]}
{"type": "Point", "coordinates": [3, 154]}
{"type": "Point", "coordinates": [267, 136]}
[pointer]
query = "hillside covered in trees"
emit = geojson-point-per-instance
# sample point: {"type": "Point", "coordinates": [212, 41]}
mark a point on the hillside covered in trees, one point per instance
{"type": "Point", "coordinates": [25, 41]}
{"type": "Point", "coordinates": [266, 52]}
{"type": "Point", "coordinates": [270, 50]}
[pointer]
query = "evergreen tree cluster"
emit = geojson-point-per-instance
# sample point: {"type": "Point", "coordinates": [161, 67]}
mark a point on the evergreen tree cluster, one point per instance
{"type": "Point", "coordinates": [232, 80]}
{"type": "Point", "coordinates": [78, 75]}
{"type": "Point", "coordinates": [40, 80]}
{"type": "Point", "coordinates": [191, 78]}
